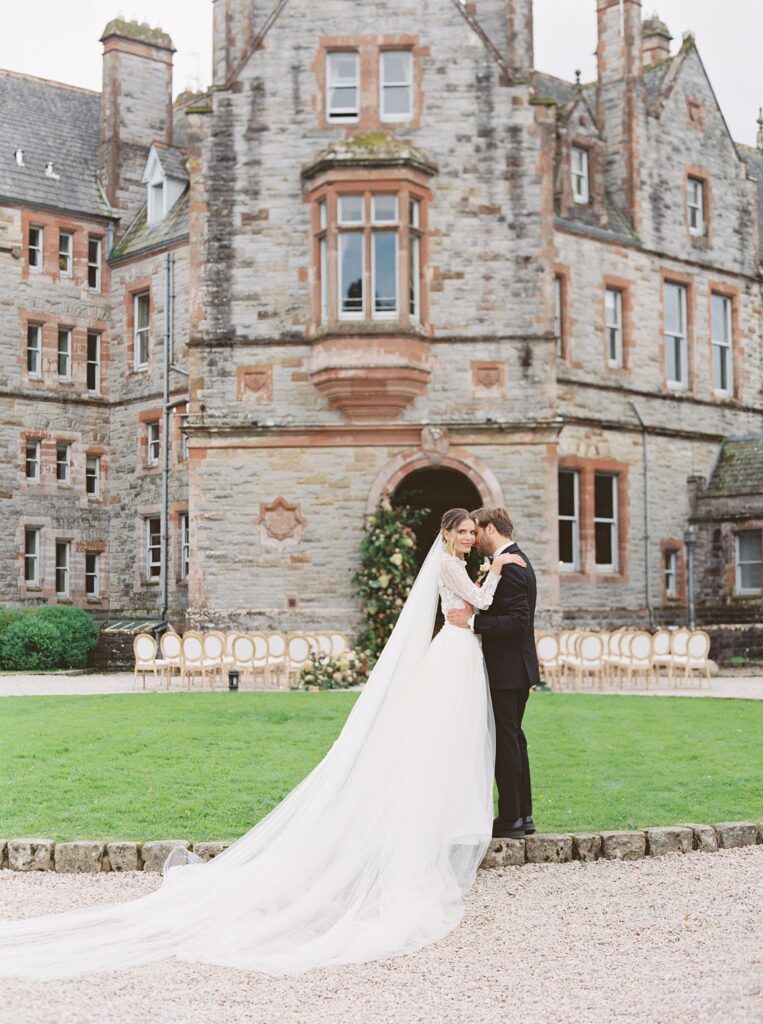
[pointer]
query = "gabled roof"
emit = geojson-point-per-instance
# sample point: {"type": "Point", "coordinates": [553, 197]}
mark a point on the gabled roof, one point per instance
{"type": "Point", "coordinates": [552, 88]}
{"type": "Point", "coordinates": [141, 236]}
{"type": "Point", "coordinates": [54, 123]}
{"type": "Point", "coordinates": [739, 469]}
{"type": "Point", "coordinates": [172, 161]}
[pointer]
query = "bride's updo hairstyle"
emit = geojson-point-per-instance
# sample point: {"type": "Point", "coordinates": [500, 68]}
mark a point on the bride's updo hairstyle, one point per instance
{"type": "Point", "coordinates": [451, 520]}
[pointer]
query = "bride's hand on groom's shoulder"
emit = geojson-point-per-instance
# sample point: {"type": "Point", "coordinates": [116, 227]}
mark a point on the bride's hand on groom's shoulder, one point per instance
{"type": "Point", "coordinates": [507, 559]}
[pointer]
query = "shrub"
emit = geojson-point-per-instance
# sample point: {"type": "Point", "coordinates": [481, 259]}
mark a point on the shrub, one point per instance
{"type": "Point", "coordinates": [7, 617]}
{"type": "Point", "coordinates": [78, 632]}
{"type": "Point", "coordinates": [31, 644]}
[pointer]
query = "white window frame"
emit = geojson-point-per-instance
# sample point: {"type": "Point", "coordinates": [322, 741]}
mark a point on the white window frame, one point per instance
{"type": "Point", "coordinates": [670, 573]}
{"type": "Point", "coordinates": [32, 558]}
{"type": "Point", "coordinates": [574, 565]}
{"type": "Point", "coordinates": [65, 353]}
{"type": "Point", "coordinates": [405, 83]}
{"type": "Point", "coordinates": [65, 253]}
{"type": "Point", "coordinates": [385, 227]}
{"type": "Point", "coordinates": [94, 265]}
{"type": "Point", "coordinates": [93, 593]}
{"type": "Point", "coordinates": [38, 249]}
{"type": "Point", "coordinates": [738, 564]}
{"type": "Point", "coordinates": [151, 549]}
{"type": "Point", "coordinates": [613, 566]}
{"type": "Point", "coordinates": [678, 342]}
{"type": "Point", "coordinates": [614, 327]}
{"type": "Point", "coordinates": [153, 442]}
{"type": "Point", "coordinates": [66, 462]}
{"type": "Point", "coordinates": [94, 364]}
{"type": "Point", "coordinates": [93, 462]}
{"type": "Point", "coordinates": [34, 462]}
{"type": "Point", "coordinates": [722, 347]}
{"type": "Point", "coordinates": [580, 174]}
{"type": "Point", "coordinates": [414, 259]}
{"type": "Point", "coordinates": [185, 545]}
{"type": "Point", "coordinates": [695, 205]}
{"type": "Point", "coordinates": [63, 567]}
{"type": "Point", "coordinates": [342, 115]}
{"type": "Point", "coordinates": [34, 351]}
{"type": "Point", "coordinates": [141, 334]}
{"type": "Point", "coordinates": [156, 201]}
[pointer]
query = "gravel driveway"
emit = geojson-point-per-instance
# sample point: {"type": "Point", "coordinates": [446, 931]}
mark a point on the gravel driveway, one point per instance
{"type": "Point", "coordinates": [658, 941]}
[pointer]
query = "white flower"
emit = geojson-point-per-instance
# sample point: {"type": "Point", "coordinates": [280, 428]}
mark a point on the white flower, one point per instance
{"type": "Point", "coordinates": [384, 580]}
{"type": "Point", "coordinates": [485, 567]}
{"type": "Point", "coordinates": [396, 559]}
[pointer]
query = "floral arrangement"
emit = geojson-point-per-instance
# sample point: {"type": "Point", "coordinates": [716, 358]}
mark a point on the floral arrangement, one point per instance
{"type": "Point", "coordinates": [388, 567]}
{"type": "Point", "coordinates": [334, 671]}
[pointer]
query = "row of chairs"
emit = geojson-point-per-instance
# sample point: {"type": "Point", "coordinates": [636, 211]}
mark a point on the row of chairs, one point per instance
{"type": "Point", "coordinates": [271, 661]}
{"type": "Point", "coordinates": [623, 656]}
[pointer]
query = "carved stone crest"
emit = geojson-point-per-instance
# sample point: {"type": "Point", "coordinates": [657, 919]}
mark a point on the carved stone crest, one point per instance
{"type": "Point", "coordinates": [280, 523]}
{"type": "Point", "coordinates": [435, 440]}
{"type": "Point", "coordinates": [255, 383]}
{"type": "Point", "coordinates": [489, 378]}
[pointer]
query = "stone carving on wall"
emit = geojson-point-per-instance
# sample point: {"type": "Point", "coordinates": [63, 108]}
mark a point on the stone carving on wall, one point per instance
{"type": "Point", "coordinates": [280, 523]}
{"type": "Point", "coordinates": [435, 440]}
{"type": "Point", "coordinates": [255, 383]}
{"type": "Point", "coordinates": [489, 379]}
{"type": "Point", "coordinates": [695, 113]}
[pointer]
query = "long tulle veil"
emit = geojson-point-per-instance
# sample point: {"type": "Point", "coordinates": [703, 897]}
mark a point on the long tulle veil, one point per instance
{"type": "Point", "coordinates": [353, 864]}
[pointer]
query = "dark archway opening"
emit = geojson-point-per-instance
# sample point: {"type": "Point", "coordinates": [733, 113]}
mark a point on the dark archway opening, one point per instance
{"type": "Point", "coordinates": [436, 489]}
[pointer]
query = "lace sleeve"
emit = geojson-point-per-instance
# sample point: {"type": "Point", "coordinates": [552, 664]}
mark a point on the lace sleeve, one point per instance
{"type": "Point", "coordinates": [456, 579]}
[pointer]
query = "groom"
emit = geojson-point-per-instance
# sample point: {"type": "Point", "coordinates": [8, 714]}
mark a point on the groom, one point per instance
{"type": "Point", "coordinates": [508, 644]}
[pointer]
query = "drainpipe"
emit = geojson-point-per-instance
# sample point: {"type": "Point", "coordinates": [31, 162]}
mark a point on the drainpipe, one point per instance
{"type": "Point", "coordinates": [168, 319]}
{"type": "Point", "coordinates": [647, 543]}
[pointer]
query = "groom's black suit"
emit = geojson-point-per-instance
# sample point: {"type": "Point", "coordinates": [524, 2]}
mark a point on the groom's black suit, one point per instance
{"type": "Point", "coordinates": [507, 629]}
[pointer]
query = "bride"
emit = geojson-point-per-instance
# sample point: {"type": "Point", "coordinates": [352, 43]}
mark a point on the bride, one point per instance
{"type": "Point", "coordinates": [368, 857]}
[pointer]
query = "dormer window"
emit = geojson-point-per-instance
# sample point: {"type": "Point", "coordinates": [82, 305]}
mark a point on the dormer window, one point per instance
{"type": "Point", "coordinates": [166, 179]}
{"type": "Point", "coordinates": [579, 168]}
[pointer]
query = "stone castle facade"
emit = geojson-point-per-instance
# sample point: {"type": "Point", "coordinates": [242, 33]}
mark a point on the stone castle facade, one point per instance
{"type": "Point", "coordinates": [382, 254]}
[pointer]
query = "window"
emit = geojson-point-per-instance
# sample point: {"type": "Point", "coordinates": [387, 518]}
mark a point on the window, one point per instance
{"type": "Point", "coordinates": [569, 520]}
{"type": "Point", "coordinates": [384, 256]}
{"type": "Point", "coordinates": [62, 568]}
{"type": "Point", "coordinates": [613, 304]}
{"type": "Point", "coordinates": [34, 249]}
{"type": "Point", "coordinates": [670, 574]}
{"type": "Point", "coordinates": [414, 259]}
{"type": "Point", "coordinates": [93, 363]}
{"type": "Point", "coordinates": [579, 164]}
{"type": "Point", "coordinates": [65, 252]}
{"type": "Point", "coordinates": [351, 259]}
{"type": "Point", "coordinates": [676, 369]}
{"type": "Point", "coordinates": [93, 476]}
{"type": "Point", "coordinates": [559, 313]}
{"type": "Point", "coordinates": [32, 461]}
{"type": "Point", "coordinates": [696, 206]}
{"type": "Point", "coordinates": [32, 557]}
{"type": "Point", "coordinates": [184, 440]}
{"type": "Point", "coordinates": [383, 236]}
{"type": "Point", "coordinates": [749, 559]}
{"type": "Point", "coordinates": [142, 314]}
{"type": "Point", "coordinates": [93, 574]}
{"type": "Point", "coordinates": [605, 522]}
{"type": "Point", "coordinates": [342, 89]}
{"type": "Point", "coordinates": [63, 462]}
{"type": "Point", "coordinates": [184, 546]}
{"type": "Point", "coordinates": [64, 353]}
{"type": "Point", "coordinates": [153, 547]}
{"type": "Point", "coordinates": [721, 343]}
{"type": "Point", "coordinates": [94, 264]}
{"type": "Point", "coordinates": [396, 85]}
{"type": "Point", "coordinates": [155, 201]}
{"type": "Point", "coordinates": [153, 442]}
{"type": "Point", "coordinates": [34, 350]}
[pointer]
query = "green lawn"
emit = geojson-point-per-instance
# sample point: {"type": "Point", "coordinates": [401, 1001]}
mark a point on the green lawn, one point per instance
{"type": "Point", "coordinates": [208, 766]}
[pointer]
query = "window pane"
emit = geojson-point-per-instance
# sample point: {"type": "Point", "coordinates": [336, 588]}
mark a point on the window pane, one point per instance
{"type": "Point", "coordinates": [385, 271]}
{"type": "Point", "coordinates": [720, 307]}
{"type": "Point", "coordinates": [351, 272]}
{"type": "Point", "coordinates": [343, 68]}
{"type": "Point", "coordinates": [604, 506]}
{"type": "Point", "coordinates": [674, 321]}
{"type": "Point", "coordinates": [396, 66]}
{"type": "Point", "coordinates": [566, 494]}
{"type": "Point", "coordinates": [384, 208]}
{"type": "Point", "coordinates": [414, 213]}
{"type": "Point", "coordinates": [142, 310]}
{"type": "Point", "coordinates": [397, 99]}
{"type": "Point", "coordinates": [351, 209]}
{"type": "Point", "coordinates": [751, 577]}
{"type": "Point", "coordinates": [604, 548]}
{"type": "Point", "coordinates": [324, 283]}
{"type": "Point", "coordinates": [414, 270]}
{"type": "Point", "coordinates": [749, 546]}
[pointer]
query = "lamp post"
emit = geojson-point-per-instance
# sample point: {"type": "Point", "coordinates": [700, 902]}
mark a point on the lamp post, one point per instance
{"type": "Point", "coordinates": [691, 536]}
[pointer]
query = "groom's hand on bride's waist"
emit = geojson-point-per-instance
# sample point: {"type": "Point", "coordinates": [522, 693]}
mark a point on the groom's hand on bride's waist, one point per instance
{"type": "Point", "coordinates": [460, 617]}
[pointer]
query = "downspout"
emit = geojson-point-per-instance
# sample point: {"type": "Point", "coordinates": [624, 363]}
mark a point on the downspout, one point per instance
{"type": "Point", "coordinates": [168, 319]}
{"type": "Point", "coordinates": [647, 574]}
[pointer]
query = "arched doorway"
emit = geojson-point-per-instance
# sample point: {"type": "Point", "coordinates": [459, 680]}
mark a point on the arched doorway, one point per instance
{"type": "Point", "coordinates": [436, 488]}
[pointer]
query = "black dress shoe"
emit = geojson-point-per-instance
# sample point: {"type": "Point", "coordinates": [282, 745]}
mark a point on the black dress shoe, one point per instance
{"type": "Point", "coordinates": [508, 830]}
{"type": "Point", "coordinates": [529, 826]}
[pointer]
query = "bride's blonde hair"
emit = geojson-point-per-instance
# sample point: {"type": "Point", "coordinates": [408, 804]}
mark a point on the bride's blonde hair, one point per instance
{"type": "Point", "coordinates": [451, 521]}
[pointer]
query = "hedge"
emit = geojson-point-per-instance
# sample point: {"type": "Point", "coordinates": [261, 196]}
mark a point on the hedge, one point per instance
{"type": "Point", "coordinates": [51, 637]}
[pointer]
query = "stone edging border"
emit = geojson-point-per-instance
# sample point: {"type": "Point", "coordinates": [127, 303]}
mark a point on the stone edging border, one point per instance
{"type": "Point", "coordinates": [93, 856]}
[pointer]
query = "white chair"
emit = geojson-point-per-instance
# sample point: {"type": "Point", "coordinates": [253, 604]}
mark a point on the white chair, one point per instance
{"type": "Point", "coordinates": [171, 648]}
{"type": "Point", "coordinates": [298, 650]}
{"type": "Point", "coordinates": [339, 643]}
{"type": "Point", "coordinates": [679, 650]}
{"type": "Point", "coordinates": [243, 651]}
{"type": "Point", "coordinates": [214, 655]}
{"type": "Point", "coordinates": [696, 658]}
{"type": "Point", "coordinates": [661, 656]}
{"type": "Point", "coordinates": [547, 647]}
{"type": "Point", "coordinates": [144, 648]}
{"type": "Point", "coordinates": [277, 658]}
{"type": "Point", "coordinates": [590, 657]}
{"type": "Point", "coordinates": [640, 656]}
{"type": "Point", "coordinates": [192, 648]}
{"type": "Point", "coordinates": [260, 664]}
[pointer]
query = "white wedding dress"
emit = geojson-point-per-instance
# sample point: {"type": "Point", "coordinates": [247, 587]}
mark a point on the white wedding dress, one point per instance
{"type": "Point", "coordinates": [368, 857]}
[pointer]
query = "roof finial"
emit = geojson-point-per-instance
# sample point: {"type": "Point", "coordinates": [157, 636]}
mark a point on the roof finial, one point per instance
{"type": "Point", "coordinates": [759, 139]}
{"type": "Point", "coordinates": [577, 76]}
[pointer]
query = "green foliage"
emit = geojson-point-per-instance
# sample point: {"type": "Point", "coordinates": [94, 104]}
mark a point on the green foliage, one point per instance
{"type": "Point", "coordinates": [43, 638]}
{"type": "Point", "coordinates": [387, 571]}
{"type": "Point", "coordinates": [334, 672]}
{"type": "Point", "coordinates": [30, 644]}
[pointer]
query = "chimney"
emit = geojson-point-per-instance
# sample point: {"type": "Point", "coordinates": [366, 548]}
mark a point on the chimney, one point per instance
{"type": "Point", "coordinates": [232, 36]}
{"type": "Point", "coordinates": [136, 107]}
{"type": "Point", "coordinates": [520, 25]}
{"type": "Point", "coordinates": [620, 104]}
{"type": "Point", "coordinates": [656, 44]}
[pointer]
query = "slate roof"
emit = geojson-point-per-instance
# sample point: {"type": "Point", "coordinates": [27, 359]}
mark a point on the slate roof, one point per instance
{"type": "Point", "coordinates": [550, 87]}
{"type": "Point", "coordinates": [140, 237]}
{"type": "Point", "coordinates": [739, 469]}
{"type": "Point", "coordinates": [50, 122]}
{"type": "Point", "coordinates": [173, 161]}
{"type": "Point", "coordinates": [654, 79]}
